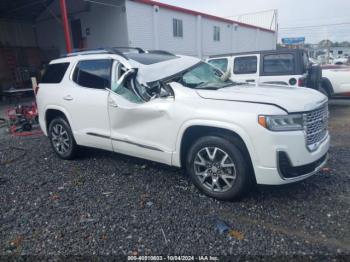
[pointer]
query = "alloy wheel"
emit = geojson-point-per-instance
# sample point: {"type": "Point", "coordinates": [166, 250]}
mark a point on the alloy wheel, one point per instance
{"type": "Point", "coordinates": [60, 139]}
{"type": "Point", "coordinates": [215, 169]}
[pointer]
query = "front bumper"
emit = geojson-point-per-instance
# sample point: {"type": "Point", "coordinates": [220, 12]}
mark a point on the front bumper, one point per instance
{"type": "Point", "coordinates": [292, 162]}
{"type": "Point", "coordinates": [289, 172]}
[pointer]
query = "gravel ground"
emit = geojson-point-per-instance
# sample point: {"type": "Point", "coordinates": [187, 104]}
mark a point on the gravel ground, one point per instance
{"type": "Point", "coordinates": [105, 203]}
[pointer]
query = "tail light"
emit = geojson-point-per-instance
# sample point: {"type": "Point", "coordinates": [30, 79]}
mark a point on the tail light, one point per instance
{"type": "Point", "coordinates": [36, 90]}
{"type": "Point", "coordinates": [301, 81]}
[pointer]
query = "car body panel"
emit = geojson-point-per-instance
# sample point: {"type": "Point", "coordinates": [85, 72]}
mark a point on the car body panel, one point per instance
{"type": "Point", "coordinates": [339, 78]}
{"type": "Point", "coordinates": [291, 99]}
{"type": "Point", "coordinates": [154, 130]}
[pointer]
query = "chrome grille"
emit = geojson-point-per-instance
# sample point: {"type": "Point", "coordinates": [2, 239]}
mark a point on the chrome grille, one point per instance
{"type": "Point", "coordinates": [316, 125]}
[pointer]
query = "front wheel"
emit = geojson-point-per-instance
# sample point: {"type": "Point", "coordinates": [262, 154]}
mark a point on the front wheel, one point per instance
{"type": "Point", "coordinates": [217, 168]}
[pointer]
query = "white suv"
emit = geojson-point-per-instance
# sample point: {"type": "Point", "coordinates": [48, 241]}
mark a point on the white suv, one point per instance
{"type": "Point", "coordinates": [181, 111]}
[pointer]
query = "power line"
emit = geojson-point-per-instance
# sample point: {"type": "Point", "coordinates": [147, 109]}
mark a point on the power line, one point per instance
{"type": "Point", "coordinates": [322, 19]}
{"type": "Point", "coordinates": [252, 13]}
{"type": "Point", "coordinates": [315, 26]}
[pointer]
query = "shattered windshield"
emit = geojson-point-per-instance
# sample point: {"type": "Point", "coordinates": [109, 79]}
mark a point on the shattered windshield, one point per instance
{"type": "Point", "coordinates": [204, 76]}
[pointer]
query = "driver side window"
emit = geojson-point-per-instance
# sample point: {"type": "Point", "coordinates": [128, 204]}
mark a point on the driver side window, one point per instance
{"type": "Point", "coordinates": [125, 90]}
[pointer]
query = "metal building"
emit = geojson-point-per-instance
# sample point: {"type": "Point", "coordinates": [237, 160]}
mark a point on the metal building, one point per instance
{"type": "Point", "coordinates": [34, 32]}
{"type": "Point", "coordinates": [150, 25]}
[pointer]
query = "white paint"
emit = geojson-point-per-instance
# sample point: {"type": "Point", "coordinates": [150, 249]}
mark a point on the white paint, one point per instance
{"type": "Point", "coordinates": [155, 27]}
{"type": "Point", "coordinates": [199, 36]}
{"type": "Point", "coordinates": [154, 130]}
{"type": "Point", "coordinates": [339, 78]}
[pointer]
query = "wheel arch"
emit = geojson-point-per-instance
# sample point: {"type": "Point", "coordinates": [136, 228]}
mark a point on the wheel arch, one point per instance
{"type": "Point", "coordinates": [54, 112]}
{"type": "Point", "coordinates": [326, 83]}
{"type": "Point", "coordinates": [192, 131]}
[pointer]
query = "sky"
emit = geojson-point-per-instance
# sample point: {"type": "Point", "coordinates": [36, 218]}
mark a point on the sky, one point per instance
{"type": "Point", "coordinates": [291, 14]}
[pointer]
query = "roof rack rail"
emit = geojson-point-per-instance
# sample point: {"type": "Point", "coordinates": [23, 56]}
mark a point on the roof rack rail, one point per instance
{"type": "Point", "coordinates": [160, 52]}
{"type": "Point", "coordinates": [138, 49]}
{"type": "Point", "coordinates": [95, 52]}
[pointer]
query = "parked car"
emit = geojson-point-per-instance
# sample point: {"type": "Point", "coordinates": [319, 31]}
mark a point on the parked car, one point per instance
{"type": "Point", "coordinates": [335, 79]}
{"type": "Point", "coordinates": [181, 111]}
{"type": "Point", "coordinates": [289, 67]}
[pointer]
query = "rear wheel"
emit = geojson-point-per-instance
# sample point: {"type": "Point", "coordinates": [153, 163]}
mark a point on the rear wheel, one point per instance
{"type": "Point", "coordinates": [217, 168]}
{"type": "Point", "coordinates": [61, 138]}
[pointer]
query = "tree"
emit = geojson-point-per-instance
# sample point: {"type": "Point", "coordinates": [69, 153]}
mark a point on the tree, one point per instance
{"type": "Point", "coordinates": [328, 43]}
{"type": "Point", "coordinates": [325, 43]}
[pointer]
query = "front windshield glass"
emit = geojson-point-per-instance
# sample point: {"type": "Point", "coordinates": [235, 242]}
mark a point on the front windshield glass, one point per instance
{"type": "Point", "coordinates": [204, 76]}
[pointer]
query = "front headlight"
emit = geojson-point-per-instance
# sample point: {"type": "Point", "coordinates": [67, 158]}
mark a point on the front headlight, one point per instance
{"type": "Point", "coordinates": [291, 122]}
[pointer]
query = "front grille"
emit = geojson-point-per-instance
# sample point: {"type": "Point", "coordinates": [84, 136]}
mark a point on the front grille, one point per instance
{"type": "Point", "coordinates": [316, 125]}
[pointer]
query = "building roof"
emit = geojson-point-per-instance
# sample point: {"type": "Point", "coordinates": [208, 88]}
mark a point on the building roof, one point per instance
{"type": "Point", "coordinates": [192, 12]}
{"type": "Point", "coordinates": [22, 10]}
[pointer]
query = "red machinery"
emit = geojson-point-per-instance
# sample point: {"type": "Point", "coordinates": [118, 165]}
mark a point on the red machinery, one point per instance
{"type": "Point", "coordinates": [22, 119]}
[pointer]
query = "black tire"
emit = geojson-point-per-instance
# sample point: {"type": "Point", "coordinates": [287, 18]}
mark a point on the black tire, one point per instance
{"type": "Point", "coordinates": [60, 126]}
{"type": "Point", "coordinates": [323, 90]}
{"type": "Point", "coordinates": [240, 184]}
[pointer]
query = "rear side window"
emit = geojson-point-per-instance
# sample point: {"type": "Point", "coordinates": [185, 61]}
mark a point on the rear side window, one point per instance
{"type": "Point", "coordinates": [54, 73]}
{"type": "Point", "coordinates": [219, 63]}
{"type": "Point", "coordinates": [245, 65]}
{"type": "Point", "coordinates": [279, 64]}
{"type": "Point", "coordinates": [93, 73]}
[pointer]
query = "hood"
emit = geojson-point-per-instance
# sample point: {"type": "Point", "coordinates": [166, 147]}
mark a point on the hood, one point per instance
{"type": "Point", "coordinates": [291, 99]}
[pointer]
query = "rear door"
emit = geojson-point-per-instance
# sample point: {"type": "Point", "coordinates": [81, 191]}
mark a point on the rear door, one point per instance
{"type": "Point", "coordinates": [86, 101]}
{"type": "Point", "coordinates": [279, 68]}
{"type": "Point", "coordinates": [245, 68]}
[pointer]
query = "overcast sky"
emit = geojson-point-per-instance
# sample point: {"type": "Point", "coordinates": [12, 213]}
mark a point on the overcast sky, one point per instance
{"type": "Point", "coordinates": [291, 13]}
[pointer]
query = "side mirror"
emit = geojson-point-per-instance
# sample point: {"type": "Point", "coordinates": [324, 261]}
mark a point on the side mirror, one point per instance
{"type": "Point", "coordinates": [122, 79]}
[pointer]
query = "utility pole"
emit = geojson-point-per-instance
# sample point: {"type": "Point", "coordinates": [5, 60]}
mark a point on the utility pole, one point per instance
{"type": "Point", "coordinates": [66, 28]}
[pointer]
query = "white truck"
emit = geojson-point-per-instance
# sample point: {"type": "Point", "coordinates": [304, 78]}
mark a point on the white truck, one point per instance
{"type": "Point", "coordinates": [181, 111]}
{"type": "Point", "coordinates": [336, 79]}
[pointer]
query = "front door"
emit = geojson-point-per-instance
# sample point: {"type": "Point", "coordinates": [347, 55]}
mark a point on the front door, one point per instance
{"type": "Point", "coordinates": [140, 128]}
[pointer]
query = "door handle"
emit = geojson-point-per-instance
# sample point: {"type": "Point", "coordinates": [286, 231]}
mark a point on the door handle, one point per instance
{"type": "Point", "coordinates": [68, 97]}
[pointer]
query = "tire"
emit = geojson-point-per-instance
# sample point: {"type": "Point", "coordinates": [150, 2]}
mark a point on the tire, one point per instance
{"type": "Point", "coordinates": [62, 139]}
{"type": "Point", "coordinates": [323, 90]}
{"type": "Point", "coordinates": [222, 179]}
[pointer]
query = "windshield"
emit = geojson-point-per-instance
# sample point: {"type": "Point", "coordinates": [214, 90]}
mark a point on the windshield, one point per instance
{"type": "Point", "coordinates": [204, 76]}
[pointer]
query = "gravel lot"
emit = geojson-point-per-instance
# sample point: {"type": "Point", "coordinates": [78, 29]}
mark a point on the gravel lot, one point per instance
{"type": "Point", "coordinates": [105, 203]}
